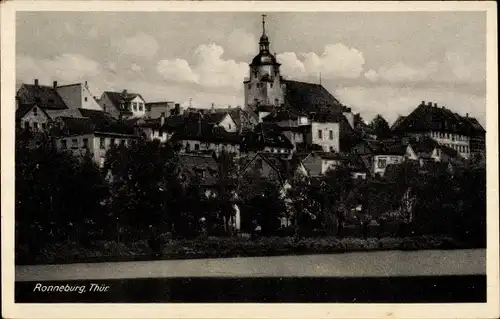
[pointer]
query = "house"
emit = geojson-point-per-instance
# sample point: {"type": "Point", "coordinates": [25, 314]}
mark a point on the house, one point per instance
{"type": "Point", "coordinates": [266, 138]}
{"type": "Point", "coordinates": [378, 154]}
{"type": "Point", "coordinates": [444, 126]}
{"type": "Point", "coordinates": [151, 128]}
{"type": "Point", "coordinates": [221, 119]}
{"type": "Point", "coordinates": [198, 135]}
{"type": "Point", "coordinates": [77, 96]}
{"type": "Point", "coordinates": [425, 149]}
{"type": "Point", "coordinates": [275, 167]}
{"type": "Point", "coordinates": [123, 105]}
{"type": "Point", "coordinates": [156, 110]}
{"type": "Point", "coordinates": [92, 135]}
{"type": "Point", "coordinates": [318, 163]}
{"type": "Point", "coordinates": [37, 105]}
{"type": "Point", "coordinates": [203, 168]}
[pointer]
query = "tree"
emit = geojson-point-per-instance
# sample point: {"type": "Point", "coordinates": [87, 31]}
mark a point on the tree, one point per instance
{"type": "Point", "coordinates": [380, 127]}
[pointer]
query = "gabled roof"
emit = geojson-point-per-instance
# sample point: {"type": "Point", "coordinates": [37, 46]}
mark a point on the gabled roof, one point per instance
{"type": "Point", "coordinates": [41, 95]}
{"type": "Point", "coordinates": [310, 97]}
{"type": "Point", "coordinates": [215, 117]}
{"type": "Point", "coordinates": [265, 134]}
{"type": "Point", "coordinates": [23, 109]}
{"type": "Point", "coordinates": [397, 122]}
{"type": "Point", "coordinates": [89, 125]}
{"type": "Point", "coordinates": [196, 162]}
{"type": "Point", "coordinates": [285, 168]}
{"type": "Point", "coordinates": [428, 117]}
{"type": "Point", "coordinates": [117, 97]}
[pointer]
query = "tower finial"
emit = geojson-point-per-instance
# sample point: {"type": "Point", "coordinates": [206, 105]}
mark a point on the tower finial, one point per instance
{"type": "Point", "coordinates": [263, 24]}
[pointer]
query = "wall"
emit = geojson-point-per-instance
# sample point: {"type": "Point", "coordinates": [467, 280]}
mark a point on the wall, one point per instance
{"type": "Point", "coordinates": [458, 142]}
{"type": "Point", "coordinates": [389, 159]}
{"type": "Point", "coordinates": [138, 107]}
{"type": "Point", "coordinates": [263, 92]}
{"type": "Point", "coordinates": [35, 117]}
{"type": "Point", "coordinates": [108, 106]}
{"type": "Point", "coordinates": [313, 164]}
{"type": "Point", "coordinates": [156, 110]}
{"type": "Point", "coordinates": [217, 147]}
{"type": "Point", "coordinates": [329, 145]}
{"type": "Point", "coordinates": [78, 96]}
{"type": "Point", "coordinates": [154, 134]}
{"type": "Point", "coordinates": [228, 124]}
{"type": "Point", "coordinates": [327, 164]}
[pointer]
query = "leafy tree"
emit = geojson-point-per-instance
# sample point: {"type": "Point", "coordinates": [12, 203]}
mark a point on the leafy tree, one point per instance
{"type": "Point", "coordinates": [380, 127]}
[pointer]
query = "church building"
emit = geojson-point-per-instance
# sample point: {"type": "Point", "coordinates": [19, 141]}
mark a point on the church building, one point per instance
{"type": "Point", "coordinates": [267, 92]}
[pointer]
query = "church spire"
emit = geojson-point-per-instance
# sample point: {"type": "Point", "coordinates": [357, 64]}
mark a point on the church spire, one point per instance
{"type": "Point", "coordinates": [264, 41]}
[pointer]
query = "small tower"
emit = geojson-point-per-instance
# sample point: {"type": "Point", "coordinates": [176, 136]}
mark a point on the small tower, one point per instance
{"type": "Point", "coordinates": [263, 86]}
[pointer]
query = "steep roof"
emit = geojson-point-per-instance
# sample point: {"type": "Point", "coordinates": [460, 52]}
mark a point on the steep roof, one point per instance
{"type": "Point", "coordinates": [93, 124]}
{"type": "Point", "coordinates": [285, 168]}
{"type": "Point", "coordinates": [44, 96]}
{"type": "Point", "coordinates": [196, 162]}
{"type": "Point", "coordinates": [310, 97]}
{"type": "Point", "coordinates": [397, 122]}
{"type": "Point", "coordinates": [265, 134]}
{"type": "Point", "coordinates": [427, 117]}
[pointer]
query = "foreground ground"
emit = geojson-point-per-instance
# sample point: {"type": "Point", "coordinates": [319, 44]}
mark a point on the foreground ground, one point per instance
{"type": "Point", "coordinates": [359, 264]}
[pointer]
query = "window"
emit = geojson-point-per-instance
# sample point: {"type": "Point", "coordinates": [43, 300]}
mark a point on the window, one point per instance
{"type": "Point", "coordinates": [249, 85]}
{"type": "Point", "coordinates": [122, 142]}
{"type": "Point", "coordinates": [320, 134]}
{"type": "Point", "coordinates": [44, 126]}
{"type": "Point", "coordinates": [196, 147]}
{"type": "Point", "coordinates": [74, 143]}
{"type": "Point", "coordinates": [35, 111]}
{"type": "Point", "coordinates": [112, 141]}
{"type": "Point", "coordinates": [331, 135]}
{"type": "Point", "coordinates": [102, 143]}
{"type": "Point", "coordinates": [64, 144]}
{"type": "Point", "coordinates": [85, 143]}
{"type": "Point", "coordinates": [332, 149]}
{"type": "Point", "coordinates": [134, 105]}
{"type": "Point", "coordinates": [86, 99]}
{"type": "Point", "coordinates": [162, 114]}
{"type": "Point", "coordinates": [229, 126]}
{"type": "Point", "coordinates": [35, 125]}
{"type": "Point", "coordinates": [141, 107]}
{"type": "Point", "coordinates": [382, 163]}
{"type": "Point", "coordinates": [271, 85]}
{"type": "Point", "coordinates": [188, 147]}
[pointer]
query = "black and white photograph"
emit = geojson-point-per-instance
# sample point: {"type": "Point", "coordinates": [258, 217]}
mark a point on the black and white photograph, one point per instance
{"type": "Point", "coordinates": [249, 155]}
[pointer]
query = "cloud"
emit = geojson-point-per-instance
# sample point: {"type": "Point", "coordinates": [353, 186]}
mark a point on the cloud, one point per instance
{"type": "Point", "coordinates": [209, 69]}
{"type": "Point", "coordinates": [141, 45]}
{"type": "Point", "coordinates": [400, 72]}
{"type": "Point", "coordinates": [466, 66]}
{"type": "Point", "coordinates": [391, 102]}
{"type": "Point", "coordinates": [337, 61]}
{"type": "Point", "coordinates": [66, 67]}
{"type": "Point", "coordinates": [241, 43]}
{"type": "Point", "coordinates": [135, 68]}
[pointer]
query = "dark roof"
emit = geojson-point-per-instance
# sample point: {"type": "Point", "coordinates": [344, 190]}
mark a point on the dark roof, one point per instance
{"type": "Point", "coordinates": [327, 155]}
{"type": "Point", "coordinates": [265, 134]}
{"type": "Point", "coordinates": [286, 168]}
{"type": "Point", "coordinates": [96, 114]}
{"type": "Point", "coordinates": [22, 110]}
{"type": "Point", "coordinates": [77, 126]}
{"type": "Point", "coordinates": [324, 117]}
{"type": "Point", "coordinates": [44, 96]}
{"type": "Point", "coordinates": [118, 97]}
{"type": "Point", "coordinates": [281, 115]}
{"type": "Point", "coordinates": [397, 122]}
{"type": "Point", "coordinates": [215, 117]}
{"type": "Point", "coordinates": [89, 125]}
{"type": "Point", "coordinates": [432, 118]}
{"type": "Point", "coordinates": [196, 162]}
{"type": "Point", "coordinates": [204, 132]}
{"type": "Point", "coordinates": [304, 147]}
{"type": "Point", "coordinates": [423, 146]}
{"type": "Point", "coordinates": [310, 97]}
{"type": "Point", "coordinates": [264, 58]}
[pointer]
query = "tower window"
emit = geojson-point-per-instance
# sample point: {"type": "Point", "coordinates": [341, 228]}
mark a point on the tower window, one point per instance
{"type": "Point", "coordinates": [249, 85]}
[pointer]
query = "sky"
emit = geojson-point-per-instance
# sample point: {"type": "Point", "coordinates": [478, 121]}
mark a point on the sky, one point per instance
{"type": "Point", "coordinates": [375, 63]}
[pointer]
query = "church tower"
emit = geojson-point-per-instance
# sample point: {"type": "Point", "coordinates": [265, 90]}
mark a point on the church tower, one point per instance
{"type": "Point", "coordinates": [263, 86]}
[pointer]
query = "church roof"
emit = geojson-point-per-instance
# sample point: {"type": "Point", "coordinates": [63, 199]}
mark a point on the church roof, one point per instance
{"type": "Point", "coordinates": [310, 97]}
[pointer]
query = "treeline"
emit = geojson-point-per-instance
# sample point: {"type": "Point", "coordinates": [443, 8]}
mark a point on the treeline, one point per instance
{"type": "Point", "coordinates": [63, 198]}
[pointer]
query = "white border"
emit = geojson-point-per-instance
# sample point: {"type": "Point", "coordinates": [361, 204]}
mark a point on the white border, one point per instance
{"type": "Point", "coordinates": [12, 310]}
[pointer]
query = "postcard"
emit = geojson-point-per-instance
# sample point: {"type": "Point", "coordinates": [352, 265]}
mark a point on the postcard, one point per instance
{"type": "Point", "coordinates": [249, 159]}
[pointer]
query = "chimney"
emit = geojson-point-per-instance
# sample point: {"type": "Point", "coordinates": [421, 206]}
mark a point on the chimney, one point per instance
{"type": "Point", "coordinates": [177, 109]}
{"type": "Point", "coordinates": [36, 82]}
{"type": "Point", "coordinates": [55, 84]}
{"type": "Point", "coordinates": [86, 85]}
{"type": "Point", "coordinates": [213, 108]}
{"type": "Point", "coordinates": [422, 103]}
{"type": "Point", "coordinates": [162, 120]}
{"type": "Point", "coordinates": [429, 104]}
{"type": "Point", "coordinates": [435, 105]}
{"type": "Point", "coordinates": [124, 93]}
{"type": "Point", "coordinates": [467, 115]}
